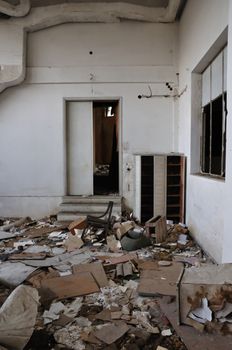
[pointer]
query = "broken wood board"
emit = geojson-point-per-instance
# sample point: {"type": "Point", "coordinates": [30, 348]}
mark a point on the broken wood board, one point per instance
{"type": "Point", "coordinates": [42, 231]}
{"type": "Point", "coordinates": [70, 286]}
{"type": "Point", "coordinates": [96, 269]}
{"type": "Point", "coordinates": [112, 332]}
{"type": "Point", "coordinates": [40, 275]}
{"type": "Point", "coordinates": [27, 256]}
{"type": "Point", "coordinates": [162, 280]}
{"type": "Point", "coordinates": [77, 224]}
{"type": "Point", "coordinates": [118, 259]}
{"type": "Point", "coordinates": [193, 339]}
{"type": "Point", "coordinates": [159, 224]}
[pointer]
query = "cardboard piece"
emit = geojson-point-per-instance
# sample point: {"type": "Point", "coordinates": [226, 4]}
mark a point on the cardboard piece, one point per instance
{"type": "Point", "coordinates": [112, 332]}
{"type": "Point", "coordinates": [97, 271]}
{"type": "Point", "coordinates": [40, 275]}
{"type": "Point", "coordinates": [68, 286]}
{"type": "Point", "coordinates": [73, 242]}
{"type": "Point", "coordinates": [162, 280]}
{"type": "Point", "coordinates": [123, 228]}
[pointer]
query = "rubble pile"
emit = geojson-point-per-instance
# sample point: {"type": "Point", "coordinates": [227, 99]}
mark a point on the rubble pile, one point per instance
{"type": "Point", "coordinates": [72, 286]}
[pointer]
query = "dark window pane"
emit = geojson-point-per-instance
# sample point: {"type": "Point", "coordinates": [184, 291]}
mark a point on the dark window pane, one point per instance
{"type": "Point", "coordinates": [224, 135]}
{"type": "Point", "coordinates": [206, 139]}
{"type": "Point", "coordinates": [216, 141]}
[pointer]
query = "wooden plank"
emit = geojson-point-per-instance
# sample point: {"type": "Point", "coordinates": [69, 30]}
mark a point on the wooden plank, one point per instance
{"type": "Point", "coordinates": [118, 259]}
{"type": "Point", "coordinates": [96, 269]}
{"type": "Point", "coordinates": [28, 256]}
{"type": "Point", "coordinates": [162, 280]}
{"type": "Point", "coordinates": [42, 231]}
{"type": "Point", "coordinates": [69, 286]}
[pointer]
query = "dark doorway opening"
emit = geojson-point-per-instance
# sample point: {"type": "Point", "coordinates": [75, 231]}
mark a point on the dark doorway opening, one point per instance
{"type": "Point", "coordinates": [105, 134]}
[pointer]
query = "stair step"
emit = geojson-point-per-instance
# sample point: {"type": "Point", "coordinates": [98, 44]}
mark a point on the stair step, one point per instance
{"type": "Point", "coordinates": [91, 199]}
{"type": "Point", "coordinates": [73, 207]}
{"type": "Point", "coordinates": [87, 207]}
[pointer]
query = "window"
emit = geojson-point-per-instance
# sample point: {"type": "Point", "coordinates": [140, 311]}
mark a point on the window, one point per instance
{"type": "Point", "coordinates": [214, 112]}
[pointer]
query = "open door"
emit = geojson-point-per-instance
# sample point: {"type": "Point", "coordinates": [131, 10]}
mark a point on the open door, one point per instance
{"type": "Point", "coordinates": [92, 148]}
{"type": "Point", "coordinates": [105, 147]}
{"type": "Point", "coordinates": [80, 148]}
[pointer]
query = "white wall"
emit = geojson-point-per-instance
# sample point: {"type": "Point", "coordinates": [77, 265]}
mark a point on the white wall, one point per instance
{"type": "Point", "coordinates": [227, 238]}
{"type": "Point", "coordinates": [126, 58]}
{"type": "Point", "coordinates": [200, 26]}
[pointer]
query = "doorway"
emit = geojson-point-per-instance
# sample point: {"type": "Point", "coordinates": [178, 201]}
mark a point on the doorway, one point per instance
{"type": "Point", "coordinates": [105, 147]}
{"type": "Point", "coordinates": [92, 138]}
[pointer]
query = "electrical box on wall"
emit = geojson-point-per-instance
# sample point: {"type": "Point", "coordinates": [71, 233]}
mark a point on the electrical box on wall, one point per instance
{"type": "Point", "coordinates": [160, 186]}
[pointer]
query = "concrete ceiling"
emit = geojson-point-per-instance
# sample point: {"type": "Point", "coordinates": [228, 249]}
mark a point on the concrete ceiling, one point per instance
{"type": "Point", "coordinates": [149, 3]}
{"type": "Point", "coordinates": [166, 11]}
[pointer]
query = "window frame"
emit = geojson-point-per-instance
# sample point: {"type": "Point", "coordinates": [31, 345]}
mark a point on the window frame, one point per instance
{"type": "Point", "coordinates": [223, 96]}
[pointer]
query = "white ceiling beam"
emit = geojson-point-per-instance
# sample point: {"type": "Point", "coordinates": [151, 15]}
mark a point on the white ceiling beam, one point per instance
{"type": "Point", "coordinates": [20, 10]}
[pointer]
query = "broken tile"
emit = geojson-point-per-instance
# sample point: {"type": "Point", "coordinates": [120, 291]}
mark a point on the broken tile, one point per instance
{"type": "Point", "coordinates": [111, 332]}
{"type": "Point", "coordinates": [104, 315]}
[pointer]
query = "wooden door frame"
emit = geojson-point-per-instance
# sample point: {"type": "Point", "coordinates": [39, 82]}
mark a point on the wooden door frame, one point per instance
{"type": "Point", "coordinates": [65, 153]}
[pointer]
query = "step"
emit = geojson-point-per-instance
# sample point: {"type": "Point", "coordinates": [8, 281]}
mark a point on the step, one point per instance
{"type": "Point", "coordinates": [91, 199]}
{"type": "Point", "coordinates": [87, 207]}
{"type": "Point", "coordinates": [73, 207]}
{"type": "Point", "coordinates": [71, 216]}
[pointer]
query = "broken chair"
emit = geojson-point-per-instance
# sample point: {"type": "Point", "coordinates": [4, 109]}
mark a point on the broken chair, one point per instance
{"type": "Point", "coordinates": [104, 221]}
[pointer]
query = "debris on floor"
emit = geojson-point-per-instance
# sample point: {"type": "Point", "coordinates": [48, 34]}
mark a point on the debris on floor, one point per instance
{"type": "Point", "coordinates": [104, 291]}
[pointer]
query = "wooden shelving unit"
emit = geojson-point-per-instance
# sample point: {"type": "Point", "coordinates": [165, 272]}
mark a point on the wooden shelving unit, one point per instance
{"type": "Point", "coordinates": [175, 188]}
{"type": "Point", "coordinates": [160, 186]}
